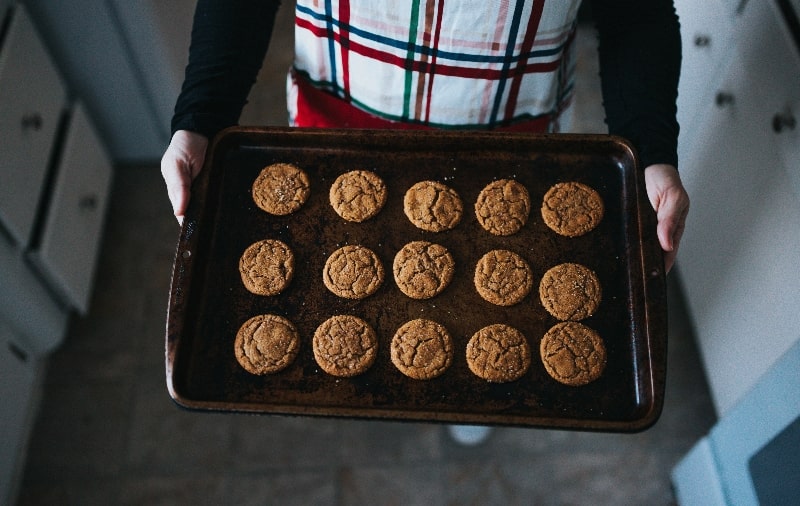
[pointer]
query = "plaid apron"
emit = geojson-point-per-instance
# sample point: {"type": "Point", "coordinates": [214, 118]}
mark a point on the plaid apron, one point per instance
{"type": "Point", "coordinates": [463, 64]}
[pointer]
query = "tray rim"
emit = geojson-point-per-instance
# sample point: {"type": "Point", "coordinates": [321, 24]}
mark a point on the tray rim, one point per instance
{"type": "Point", "coordinates": [648, 253]}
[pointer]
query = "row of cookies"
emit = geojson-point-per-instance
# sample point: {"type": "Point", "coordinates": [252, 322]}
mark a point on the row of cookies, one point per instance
{"type": "Point", "coordinates": [573, 353]}
{"type": "Point", "coordinates": [422, 270]}
{"type": "Point", "coordinates": [421, 349]}
{"type": "Point", "coordinates": [502, 207]}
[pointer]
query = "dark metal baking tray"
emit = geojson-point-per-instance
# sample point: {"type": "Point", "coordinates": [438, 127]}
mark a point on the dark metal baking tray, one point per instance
{"type": "Point", "coordinates": [208, 302]}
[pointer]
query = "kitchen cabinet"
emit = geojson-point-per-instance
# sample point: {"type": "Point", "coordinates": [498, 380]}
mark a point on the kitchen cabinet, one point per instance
{"type": "Point", "coordinates": [55, 180]}
{"type": "Point", "coordinates": [55, 176]}
{"type": "Point", "coordinates": [738, 161]}
{"type": "Point", "coordinates": [30, 88]}
{"type": "Point", "coordinates": [739, 153]}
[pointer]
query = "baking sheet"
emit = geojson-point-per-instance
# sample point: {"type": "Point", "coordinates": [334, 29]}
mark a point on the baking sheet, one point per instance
{"type": "Point", "coordinates": [208, 302]}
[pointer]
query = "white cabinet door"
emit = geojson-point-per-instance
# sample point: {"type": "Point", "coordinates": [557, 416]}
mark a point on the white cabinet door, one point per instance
{"type": "Point", "coordinates": [32, 98]}
{"type": "Point", "coordinates": [738, 259]}
{"type": "Point", "coordinates": [70, 240]}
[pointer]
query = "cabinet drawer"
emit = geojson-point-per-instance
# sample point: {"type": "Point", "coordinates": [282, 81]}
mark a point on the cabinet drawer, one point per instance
{"type": "Point", "coordinates": [32, 98]}
{"type": "Point", "coordinates": [18, 381]}
{"type": "Point", "coordinates": [67, 250]}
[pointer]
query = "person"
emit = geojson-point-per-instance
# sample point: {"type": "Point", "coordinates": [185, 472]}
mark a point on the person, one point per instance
{"type": "Point", "coordinates": [442, 64]}
{"type": "Point", "coordinates": [451, 64]}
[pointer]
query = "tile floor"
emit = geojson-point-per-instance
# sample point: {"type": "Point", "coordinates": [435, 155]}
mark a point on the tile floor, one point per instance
{"type": "Point", "coordinates": [108, 433]}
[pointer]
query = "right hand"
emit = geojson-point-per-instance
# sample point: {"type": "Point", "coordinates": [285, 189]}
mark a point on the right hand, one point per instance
{"type": "Point", "coordinates": [180, 164]}
{"type": "Point", "coordinates": [671, 204]}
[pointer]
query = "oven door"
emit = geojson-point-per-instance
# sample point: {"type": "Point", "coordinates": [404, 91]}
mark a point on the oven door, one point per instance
{"type": "Point", "coordinates": [751, 456]}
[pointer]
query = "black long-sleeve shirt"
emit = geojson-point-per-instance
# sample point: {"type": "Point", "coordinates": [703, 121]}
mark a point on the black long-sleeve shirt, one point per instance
{"type": "Point", "coordinates": [639, 49]}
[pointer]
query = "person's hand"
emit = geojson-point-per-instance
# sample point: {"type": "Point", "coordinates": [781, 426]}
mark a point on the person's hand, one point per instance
{"type": "Point", "coordinates": [671, 204]}
{"type": "Point", "coordinates": [180, 164]}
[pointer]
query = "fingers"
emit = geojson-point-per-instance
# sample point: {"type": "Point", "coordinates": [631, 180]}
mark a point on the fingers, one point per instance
{"type": "Point", "coordinates": [671, 203]}
{"type": "Point", "coordinates": [178, 180]}
{"type": "Point", "coordinates": [671, 223]}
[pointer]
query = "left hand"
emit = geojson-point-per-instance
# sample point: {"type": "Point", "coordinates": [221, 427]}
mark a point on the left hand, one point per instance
{"type": "Point", "coordinates": [671, 204]}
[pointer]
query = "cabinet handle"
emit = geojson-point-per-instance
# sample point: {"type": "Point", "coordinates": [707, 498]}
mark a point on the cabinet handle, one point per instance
{"type": "Point", "coordinates": [724, 99]}
{"type": "Point", "coordinates": [702, 40]}
{"type": "Point", "coordinates": [32, 121]}
{"type": "Point", "coordinates": [783, 120]}
{"type": "Point", "coordinates": [18, 352]}
{"type": "Point", "coordinates": [88, 203]}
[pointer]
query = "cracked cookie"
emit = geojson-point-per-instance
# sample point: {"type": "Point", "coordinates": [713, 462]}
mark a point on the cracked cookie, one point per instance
{"type": "Point", "coordinates": [281, 189]}
{"type": "Point", "coordinates": [353, 272]}
{"type": "Point", "coordinates": [570, 291]}
{"type": "Point", "coordinates": [433, 206]}
{"type": "Point", "coordinates": [572, 209]}
{"type": "Point", "coordinates": [503, 278]}
{"type": "Point", "coordinates": [266, 344]}
{"type": "Point", "coordinates": [573, 354]}
{"type": "Point", "coordinates": [422, 349]}
{"type": "Point", "coordinates": [503, 207]}
{"type": "Point", "coordinates": [267, 267]}
{"type": "Point", "coordinates": [358, 195]}
{"type": "Point", "coordinates": [423, 269]}
{"type": "Point", "coordinates": [345, 346]}
{"type": "Point", "coordinates": [498, 353]}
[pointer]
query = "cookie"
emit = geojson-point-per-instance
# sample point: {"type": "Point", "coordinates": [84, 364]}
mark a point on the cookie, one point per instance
{"type": "Point", "coordinates": [281, 189]}
{"type": "Point", "coordinates": [358, 195]}
{"type": "Point", "coordinates": [423, 269]}
{"type": "Point", "coordinates": [503, 207]}
{"type": "Point", "coordinates": [572, 209]}
{"type": "Point", "coordinates": [433, 206]}
{"type": "Point", "coordinates": [498, 353]}
{"type": "Point", "coordinates": [266, 267]}
{"type": "Point", "coordinates": [353, 272]}
{"type": "Point", "coordinates": [422, 349]}
{"type": "Point", "coordinates": [345, 346]}
{"type": "Point", "coordinates": [570, 291]}
{"type": "Point", "coordinates": [503, 278]}
{"type": "Point", "coordinates": [266, 344]}
{"type": "Point", "coordinates": [573, 354]}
